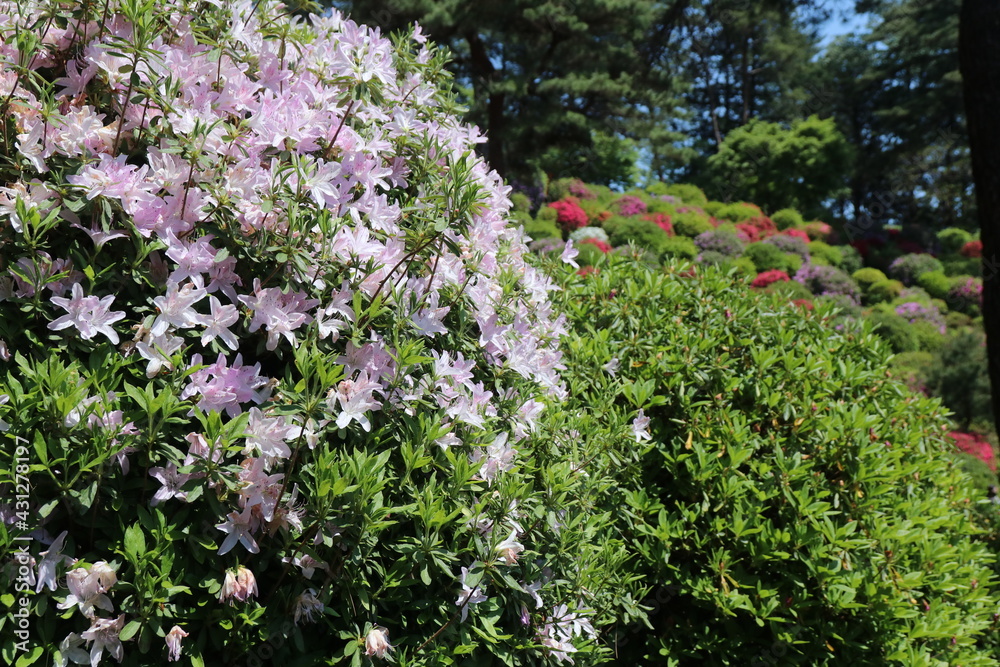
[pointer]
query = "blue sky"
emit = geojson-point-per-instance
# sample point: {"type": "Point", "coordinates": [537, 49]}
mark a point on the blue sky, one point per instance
{"type": "Point", "coordinates": [843, 20]}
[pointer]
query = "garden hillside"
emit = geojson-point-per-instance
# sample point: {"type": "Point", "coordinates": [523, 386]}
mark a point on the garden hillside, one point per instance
{"type": "Point", "coordinates": [921, 295]}
{"type": "Point", "coordinates": [282, 381]}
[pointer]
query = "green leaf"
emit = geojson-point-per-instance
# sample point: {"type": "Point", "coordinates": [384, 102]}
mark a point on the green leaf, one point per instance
{"type": "Point", "coordinates": [135, 542]}
{"type": "Point", "coordinates": [129, 630]}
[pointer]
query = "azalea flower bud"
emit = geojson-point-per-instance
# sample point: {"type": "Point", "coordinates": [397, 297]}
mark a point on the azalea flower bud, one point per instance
{"type": "Point", "coordinates": [240, 584]}
{"type": "Point", "coordinates": [174, 643]}
{"type": "Point", "coordinates": [377, 642]}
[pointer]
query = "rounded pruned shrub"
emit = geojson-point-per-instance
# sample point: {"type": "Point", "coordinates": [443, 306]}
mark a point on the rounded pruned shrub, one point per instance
{"type": "Point", "coordinates": [908, 268]}
{"type": "Point", "coordinates": [884, 291]}
{"type": "Point", "coordinates": [787, 218]}
{"type": "Point", "coordinates": [691, 224]}
{"type": "Point", "coordinates": [952, 239]}
{"type": "Point", "coordinates": [791, 504]}
{"type": "Point", "coordinates": [867, 277]}
{"type": "Point", "coordinates": [679, 247]}
{"type": "Point", "coordinates": [642, 233]}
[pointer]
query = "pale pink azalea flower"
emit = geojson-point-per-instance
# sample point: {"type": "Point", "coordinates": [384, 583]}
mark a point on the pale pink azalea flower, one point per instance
{"type": "Point", "coordinates": [279, 313]}
{"type": "Point", "coordinates": [377, 642]}
{"type": "Point", "coordinates": [51, 558]}
{"type": "Point", "coordinates": [237, 526]}
{"type": "Point", "coordinates": [87, 588]}
{"type": "Point", "coordinates": [69, 650]}
{"type": "Point", "coordinates": [217, 324]}
{"type": "Point", "coordinates": [640, 427]}
{"type": "Point", "coordinates": [173, 640]}
{"type": "Point", "coordinates": [355, 398]}
{"type": "Point", "coordinates": [176, 308]}
{"type": "Point", "coordinates": [158, 351]}
{"type": "Point", "coordinates": [99, 236]}
{"type": "Point", "coordinates": [306, 605]}
{"type": "Point", "coordinates": [110, 177]}
{"type": "Point", "coordinates": [171, 482]}
{"type": "Point", "coordinates": [469, 595]}
{"type": "Point", "coordinates": [510, 548]}
{"type": "Point", "coordinates": [104, 633]}
{"type": "Point", "coordinates": [89, 315]}
{"type": "Point", "coordinates": [497, 458]}
{"type": "Point", "coordinates": [268, 435]}
{"type": "Point", "coordinates": [569, 254]}
{"type": "Point", "coordinates": [307, 564]}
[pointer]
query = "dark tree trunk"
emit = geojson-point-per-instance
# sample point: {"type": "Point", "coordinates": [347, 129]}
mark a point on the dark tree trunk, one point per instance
{"type": "Point", "coordinates": [979, 53]}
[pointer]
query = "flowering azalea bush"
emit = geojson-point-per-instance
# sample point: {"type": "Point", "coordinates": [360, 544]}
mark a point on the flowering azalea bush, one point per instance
{"type": "Point", "coordinates": [765, 278]}
{"type": "Point", "coordinates": [272, 361]}
{"type": "Point", "coordinates": [971, 443]}
{"type": "Point", "coordinates": [908, 268]}
{"type": "Point", "coordinates": [630, 205]}
{"type": "Point", "coordinates": [569, 215]}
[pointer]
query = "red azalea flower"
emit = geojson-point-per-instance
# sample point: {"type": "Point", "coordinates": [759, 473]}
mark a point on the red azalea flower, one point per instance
{"type": "Point", "coordinates": [972, 249]}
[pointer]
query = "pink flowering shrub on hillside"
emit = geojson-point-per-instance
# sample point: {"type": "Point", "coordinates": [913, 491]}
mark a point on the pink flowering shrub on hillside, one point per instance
{"type": "Point", "coordinates": [975, 445]}
{"type": "Point", "coordinates": [570, 215]}
{"type": "Point", "coordinates": [270, 353]}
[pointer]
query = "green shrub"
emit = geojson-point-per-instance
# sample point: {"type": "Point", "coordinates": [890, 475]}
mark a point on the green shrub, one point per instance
{"type": "Point", "coordinates": [787, 218]}
{"type": "Point", "coordinates": [935, 283]}
{"type": "Point", "coordinates": [589, 254]}
{"type": "Point", "coordinates": [851, 259]}
{"type": "Point", "coordinates": [679, 247]}
{"type": "Point", "coordinates": [712, 208]}
{"type": "Point", "coordinates": [895, 330]}
{"type": "Point", "coordinates": [971, 266]}
{"type": "Point", "coordinates": [658, 188]}
{"type": "Point", "coordinates": [959, 377]}
{"type": "Point", "coordinates": [980, 475]}
{"type": "Point", "coordinates": [952, 239]}
{"type": "Point", "coordinates": [689, 194]}
{"type": "Point", "coordinates": [560, 188]}
{"type": "Point", "coordinates": [639, 232]}
{"type": "Point", "coordinates": [789, 290]}
{"type": "Point", "coordinates": [928, 335]}
{"type": "Point", "coordinates": [541, 229]}
{"type": "Point", "coordinates": [793, 263]}
{"type": "Point", "coordinates": [743, 265]}
{"type": "Point", "coordinates": [739, 212]}
{"type": "Point", "coordinates": [911, 368]}
{"type": "Point", "coordinates": [520, 202]}
{"type": "Point", "coordinates": [867, 277]}
{"type": "Point", "coordinates": [883, 291]}
{"type": "Point", "coordinates": [766, 257]}
{"type": "Point", "coordinates": [690, 224]}
{"type": "Point", "coordinates": [547, 214]}
{"type": "Point", "coordinates": [790, 505]}
{"type": "Point", "coordinates": [660, 206]}
{"type": "Point", "coordinates": [957, 320]}
{"type": "Point", "coordinates": [909, 268]}
{"type": "Point", "coordinates": [819, 249]}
